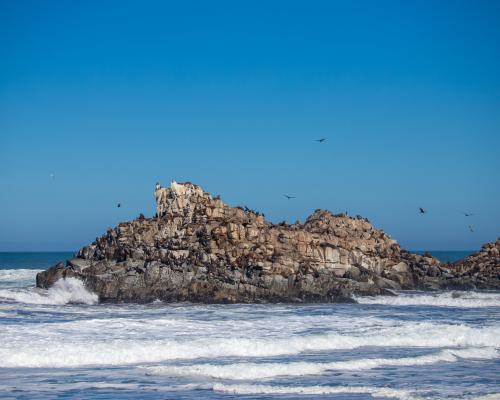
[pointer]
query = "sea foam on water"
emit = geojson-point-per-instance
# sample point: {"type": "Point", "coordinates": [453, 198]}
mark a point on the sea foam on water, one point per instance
{"type": "Point", "coordinates": [459, 299]}
{"type": "Point", "coordinates": [380, 348]}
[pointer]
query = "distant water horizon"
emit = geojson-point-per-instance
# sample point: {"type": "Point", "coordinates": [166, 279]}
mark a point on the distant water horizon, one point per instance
{"type": "Point", "coordinates": [46, 259]}
{"type": "Point", "coordinates": [446, 255]}
{"type": "Point", "coordinates": [32, 259]}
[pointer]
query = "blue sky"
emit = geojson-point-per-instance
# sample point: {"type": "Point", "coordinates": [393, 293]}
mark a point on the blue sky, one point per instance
{"type": "Point", "coordinates": [112, 96]}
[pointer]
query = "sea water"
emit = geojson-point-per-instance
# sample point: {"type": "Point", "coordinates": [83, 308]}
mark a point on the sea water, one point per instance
{"type": "Point", "coordinates": [61, 343]}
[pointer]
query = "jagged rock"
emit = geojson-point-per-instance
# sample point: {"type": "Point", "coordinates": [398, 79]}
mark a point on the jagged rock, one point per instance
{"type": "Point", "coordinates": [200, 249]}
{"type": "Point", "coordinates": [482, 269]}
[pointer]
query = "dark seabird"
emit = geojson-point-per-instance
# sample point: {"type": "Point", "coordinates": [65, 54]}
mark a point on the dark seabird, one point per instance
{"type": "Point", "coordinates": [468, 214]}
{"type": "Point", "coordinates": [320, 140]}
{"type": "Point", "coordinates": [119, 205]}
{"type": "Point", "coordinates": [289, 197]}
{"type": "Point", "coordinates": [471, 228]}
{"type": "Point", "coordinates": [422, 211]}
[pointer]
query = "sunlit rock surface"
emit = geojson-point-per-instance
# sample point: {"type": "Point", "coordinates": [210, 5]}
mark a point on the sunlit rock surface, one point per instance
{"type": "Point", "coordinates": [202, 250]}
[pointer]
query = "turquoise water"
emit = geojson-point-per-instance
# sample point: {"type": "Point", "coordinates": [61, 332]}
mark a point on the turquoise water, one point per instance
{"type": "Point", "coordinates": [61, 343]}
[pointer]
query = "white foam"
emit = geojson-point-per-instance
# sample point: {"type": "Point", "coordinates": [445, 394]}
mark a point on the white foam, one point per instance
{"type": "Point", "coordinates": [441, 299]}
{"type": "Point", "coordinates": [88, 386]}
{"type": "Point", "coordinates": [47, 386]}
{"type": "Point", "coordinates": [92, 348]}
{"type": "Point", "coordinates": [251, 371]}
{"type": "Point", "coordinates": [18, 277]}
{"type": "Point", "coordinates": [491, 396]}
{"type": "Point", "coordinates": [64, 291]}
{"type": "Point", "coordinates": [313, 390]}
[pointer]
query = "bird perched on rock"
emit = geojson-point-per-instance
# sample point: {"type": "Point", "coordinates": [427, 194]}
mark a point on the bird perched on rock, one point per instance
{"type": "Point", "coordinates": [289, 197]}
{"type": "Point", "coordinates": [320, 140]}
{"type": "Point", "coordinates": [421, 210]}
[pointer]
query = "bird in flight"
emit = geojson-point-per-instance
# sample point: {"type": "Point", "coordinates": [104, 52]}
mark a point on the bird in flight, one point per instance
{"type": "Point", "coordinates": [289, 197]}
{"type": "Point", "coordinates": [468, 214]}
{"type": "Point", "coordinates": [320, 140]}
{"type": "Point", "coordinates": [119, 205]}
{"type": "Point", "coordinates": [422, 211]}
{"type": "Point", "coordinates": [471, 228]}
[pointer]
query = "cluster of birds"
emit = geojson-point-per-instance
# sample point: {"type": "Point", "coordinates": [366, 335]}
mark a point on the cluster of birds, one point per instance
{"type": "Point", "coordinates": [466, 214]}
{"type": "Point", "coordinates": [288, 197]}
{"type": "Point", "coordinates": [421, 210]}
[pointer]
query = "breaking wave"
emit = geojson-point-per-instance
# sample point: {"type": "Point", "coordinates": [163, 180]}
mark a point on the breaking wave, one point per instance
{"type": "Point", "coordinates": [442, 299]}
{"type": "Point", "coordinates": [18, 277]}
{"type": "Point", "coordinates": [251, 371]}
{"type": "Point", "coordinates": [312, 390]}
{"type": "Point", "coordinates": [64, 291]}
{"type": "Point", "coordinates": [33, 352]}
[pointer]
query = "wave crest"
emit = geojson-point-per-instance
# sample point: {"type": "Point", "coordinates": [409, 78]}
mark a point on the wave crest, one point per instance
{"type": "Point", "coordinates": [444, 299]}
{"type": "Point", "coordinates": [251, 371]}
{"type": "Point", "coordinates": [312, 390]}
{"type": "Point", "coordinates": [64, 291]}
{"type": "Point", "coordinates": [34, 353]}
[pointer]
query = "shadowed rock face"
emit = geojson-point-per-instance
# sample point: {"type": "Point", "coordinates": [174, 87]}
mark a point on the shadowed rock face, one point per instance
{"type": "Point", "coordinates": [200, 249]}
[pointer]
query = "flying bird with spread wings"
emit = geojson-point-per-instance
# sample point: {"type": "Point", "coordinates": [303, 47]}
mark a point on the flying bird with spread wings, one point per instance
{"type": "Point", "coordinates": [421, 210]}
{"type": "Point", "coordinates": [289, 197]}
{"type": "Point", "coordinates": [320, 140]}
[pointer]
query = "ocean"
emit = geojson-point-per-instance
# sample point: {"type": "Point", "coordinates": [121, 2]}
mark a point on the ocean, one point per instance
{"type": "Point", "coordinates": [446, 256]}
{"type": "Point", "coordinates": [60, 343]}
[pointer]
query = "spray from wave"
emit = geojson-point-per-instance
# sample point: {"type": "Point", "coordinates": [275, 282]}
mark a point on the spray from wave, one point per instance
{"type": "Point", "coordinates": [64, 291]}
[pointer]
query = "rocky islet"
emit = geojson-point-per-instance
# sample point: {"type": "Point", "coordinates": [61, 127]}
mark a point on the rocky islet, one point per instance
{"type": "Point", "coordinates": [200, 249]}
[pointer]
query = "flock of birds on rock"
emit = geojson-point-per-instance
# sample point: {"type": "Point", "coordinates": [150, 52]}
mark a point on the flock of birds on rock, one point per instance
{"type": "Point", "coordinates": [288, 197]}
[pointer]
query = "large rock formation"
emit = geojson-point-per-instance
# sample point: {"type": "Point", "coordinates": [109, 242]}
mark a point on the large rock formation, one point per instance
{"type": "Point", "coordinates": [480, 270]}
{"type": "Point", "coordinates": [200, 249]}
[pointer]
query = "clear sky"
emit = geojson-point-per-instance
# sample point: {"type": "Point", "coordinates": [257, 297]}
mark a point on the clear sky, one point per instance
{"type": "Point", "coordinates": [112, 96]}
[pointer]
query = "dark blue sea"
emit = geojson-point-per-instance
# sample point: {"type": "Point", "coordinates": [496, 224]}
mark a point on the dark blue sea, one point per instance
{"type": "Point", "coordinates": [61, 343]}
{"type": "Point", "coordinates": [447, 256]}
